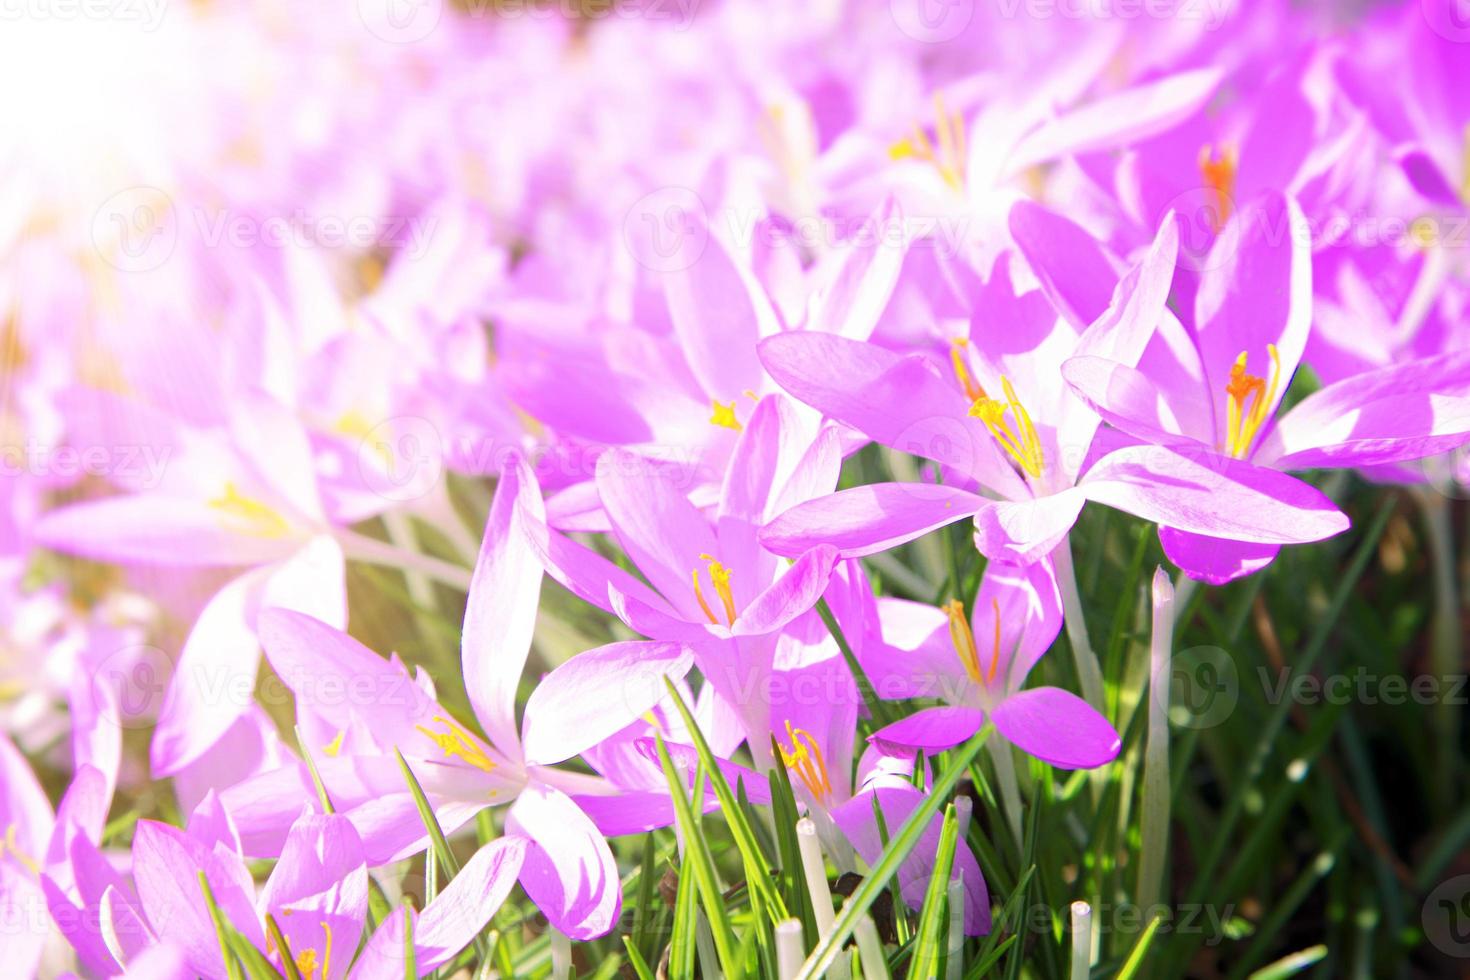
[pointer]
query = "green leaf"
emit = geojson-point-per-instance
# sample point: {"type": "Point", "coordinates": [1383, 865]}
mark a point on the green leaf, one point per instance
{"type": "Point", "coordinates": [933, 918]}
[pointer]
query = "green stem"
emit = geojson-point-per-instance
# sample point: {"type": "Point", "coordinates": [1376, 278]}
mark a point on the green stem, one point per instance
{"type": "Point", "coordinates": [1089, 671]}
{"type": "Point", "coordinates": [360, 547]}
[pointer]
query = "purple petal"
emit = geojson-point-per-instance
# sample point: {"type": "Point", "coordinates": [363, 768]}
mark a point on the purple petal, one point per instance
{"type": "Point", "coordinates": [471, 899]}
{"type": "Point", "coordinates": [931, 729]}
{"type": "Point", "coordinates": [795, 592]}
{"type": "Point", "coordinates": [1024, 531]}
{"type": "Point", "coordinates": [718, 314]}
{"type": "Point", "coordinates": [1057, 727]}
{"type": "Point", "coordinates": [569, 871]}
{"type": "Point", "coordinates": [866, 520]}
{"type": "Point", "coordinates": [595, 694]}
{"type": "Point", "coordinates": [1218, 496]}
{"type": "Point", "coordinates": [1215, 560]}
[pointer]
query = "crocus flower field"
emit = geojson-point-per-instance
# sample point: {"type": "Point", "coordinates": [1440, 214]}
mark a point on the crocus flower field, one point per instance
{"type": "Point", "coordinates": [734, 488]}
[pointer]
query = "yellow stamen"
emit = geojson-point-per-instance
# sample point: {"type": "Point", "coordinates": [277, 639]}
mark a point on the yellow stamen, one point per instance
{"type": "Point", "coordinates": [724, 415]}
{"type": "Point", "coordinates": [805, 759]}
{"type": "Point", "coordinates": [699, 594]}
{"type": "Point", "coordinates": [9, 844]}
{"type": "Point", "coordinates": [334, 748]}
{"type": "Point", "coordinates": [253, 516]}
{"type": "Point", "coordinates": [1021, 443]}
{"type": "Point", "coordinates": [719, 576]}
{"type": "Point", "coordinates": [963, 638]}
{"type": "Point", "coordinates": [455, 740]}
{"type": "Point", "coordinates": [1243, 421]}
{"type": "Point", "coordinates": [973, 391]}
{"type": "Point", "coordinates": [1218, 171]}
{"type": "Point", "coordinates": [950, 160]}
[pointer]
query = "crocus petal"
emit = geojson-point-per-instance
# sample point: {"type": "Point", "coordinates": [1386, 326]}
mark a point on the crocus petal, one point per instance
{"type": "Point", "coordinates": [453, 919]}
{"type": "Point", "coordinates": [931, 729]}
{"type": "Point", "coordinates": [1217, 496]}
{"type": "Point", "coordinates": [1057, 727]}
{"type": "Point", "coordinates": [500, 612]}
{"type": "Point", "coordinates": [1024, 531]}
{"type": "Point", "coordinates": [1215, 560]}
{"type": "Point", "coordinates": [789, 596]}
{"type": "Point", "coordinates": [860, 826]}
{"type": "Point", "coordinates": [1256, 291]}
{"type": "Point", "coordinates": [1125, 398]}
{"type": "Point", "coordinates": [166, 868]}
{"type": "Point", "coordinates": [659, 528]}
{"type": "Point", "coordinates": [1128, 116]}
{"type": "Point", "coordinates": [157, 529]}
{"type": "Point", "coordinates": [1403, 412]}
{"type": "Point", "coordinates": [164, 961]}
{"type": "Point", "coordinates": [718, 315]}
{"type": "Point", "coordinates": [1075, 272]}
{"type": "Point", "coordinates": [894, 400]}
{"type": "Point", "coordinates": [23, 803]}
{"type": "Point", "coordinates": [23, 916]}
{"type": "Point", "coordinates": [850, 304]}
{"type": "Point", "coordinates": [866, 520]}
{"type": "Point", "coordinates": [595, 694]}
{"type": "Point", "coordinates": [569, 871]}
{"type": "Point", "coordinates": [215, 674]}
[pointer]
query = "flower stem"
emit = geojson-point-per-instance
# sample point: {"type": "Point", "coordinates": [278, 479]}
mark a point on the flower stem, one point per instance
{"type": "Point", "coordinates": [1155, 819]}
{"type": "Point", "coordinates": [1088, 670]}
{"type": "Point", "coordinates": [1446, 647]}
{"type": "Point", "coordinates": [360, 547]}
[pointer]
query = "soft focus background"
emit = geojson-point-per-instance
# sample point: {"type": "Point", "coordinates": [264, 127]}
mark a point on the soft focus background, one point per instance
{"type": "Point", "coordinates": [432, 233]}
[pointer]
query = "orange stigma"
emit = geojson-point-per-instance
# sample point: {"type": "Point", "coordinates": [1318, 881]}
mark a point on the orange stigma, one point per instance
{"type": "Point", "coordinates": [1218, 171]}
{"type": "Point", "coordinates": [1020, 443]}
{"type": "Point", "coordinates": [1247, 400]}
{"type": "Point", "coordinates": [973, 391]}
{"type": "Point", "coordinates": [719, 577]}
{"type": "Point", "coordinates": [805, 759]}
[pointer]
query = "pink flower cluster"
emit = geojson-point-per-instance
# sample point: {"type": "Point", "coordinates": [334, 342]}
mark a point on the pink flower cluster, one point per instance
{"type": "Point", "coordinates": [287, 285]}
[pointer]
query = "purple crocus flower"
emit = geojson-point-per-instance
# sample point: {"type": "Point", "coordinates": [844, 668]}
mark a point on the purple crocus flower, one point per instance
{"type": "Point", "coordinates": [1005, 423]}
{"type": "Point", "coordinates": [25, 825]}
{"type": "Point", "coordinates": [1211, 393]}
{"type": "Point", "coordinates": [977, 664]}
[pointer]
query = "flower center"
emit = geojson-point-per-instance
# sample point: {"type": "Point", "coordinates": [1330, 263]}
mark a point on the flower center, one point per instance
{"type": "Point", "coordinates": [805, 759]}
{"type": "Point", "coordinates": [1218, 170]}
{"type": "Point", "coordinates": [1021, 442]}
{"type": "Point", "coordinates": [456, 741]}
{"type": "Point", "coordinates": [973, 391]}
{"type": "Point", "coordinates": [964, 641]}
{"type": "Point", "coordinates": [719, 577]}
{"type": "Point", "coordinates": [1247, 400]}
{"type": "Point", "coordinates": [724, 415]}
{"type": "Point", "coordinates": [250, 515]}
{"type": "Point", "coordinates": [950, 156]}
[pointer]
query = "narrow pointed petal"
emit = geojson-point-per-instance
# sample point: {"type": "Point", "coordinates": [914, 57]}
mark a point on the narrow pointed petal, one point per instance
{"type": "Point", "coordinates": [569, 872]}
{"type": "Point", "coordinates": [596, 694]}
{"type": "Point", "coordinates": [866, 520]}
{"type": "Point", "coordinates": [795, 592]}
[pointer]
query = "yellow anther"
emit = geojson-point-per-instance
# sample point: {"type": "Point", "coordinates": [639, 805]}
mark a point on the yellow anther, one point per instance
{"type": "Point", "coordinates": [1247, 400]}
{"type": "Point", "coordinates": [724, 415]}
{"type": "Point", "coordinates": [951, 156]}
{"type": "Point", "coordinates": [1021, 443]}
{"type": "Point", "coordinates": [805, 759]}
{"type": "Point", "coordinates": [1218, 172]}
{"type": "Point", "coordinates": [454, 740]}
{"type": "Point", "coordinates": [334, 748]}
{"type": "Point", "coordinates": [719, 577]}
{"type": "Point", "coordinates": [963, 638]}
{"type": "Point", "coordinates": [973, 391]}
{"type": "Point", "coordinates": [9, 844]}
{"type": "Point", "coordinates": [251, 516]}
